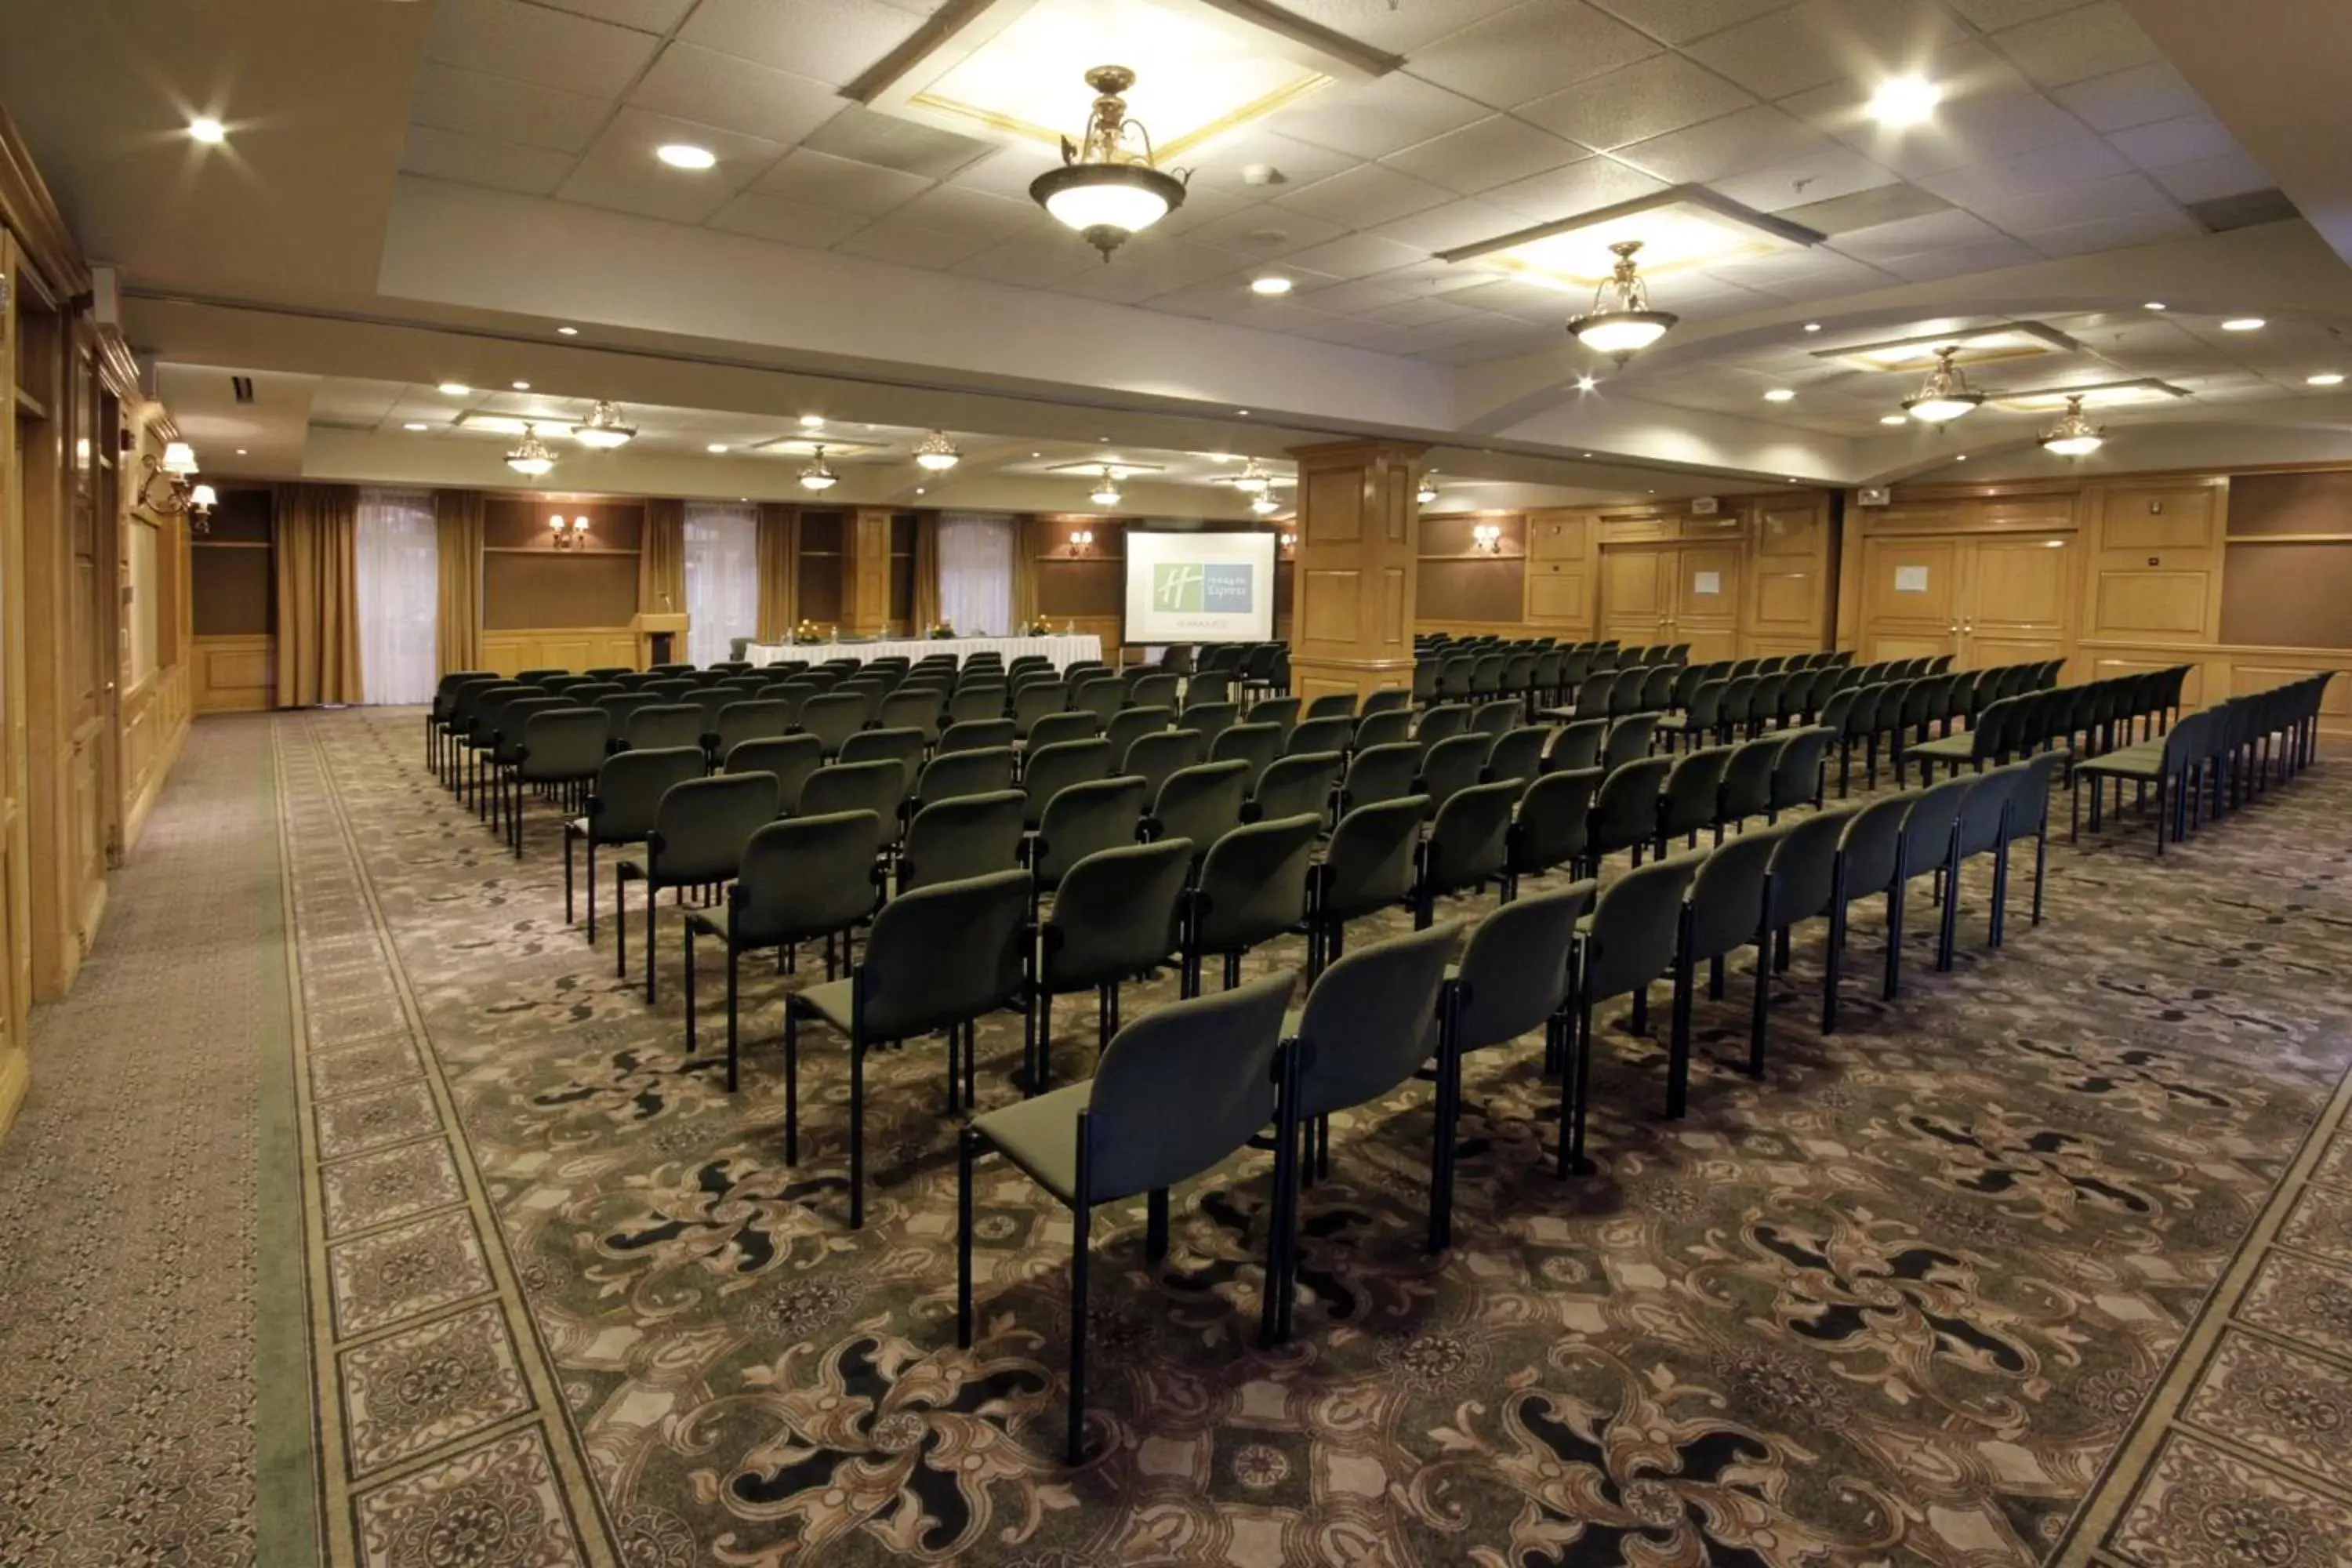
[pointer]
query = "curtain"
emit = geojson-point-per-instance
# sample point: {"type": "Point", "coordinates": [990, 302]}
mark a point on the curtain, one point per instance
{"type": "Point", "coordinates": [318, 594]}
{"type": "Point", "coordinates": [399, 577]}
{"type": "Point", "coordinates": [661, 559]}
{"type": "Point", "coordinates": [722, 578]}
{"type": "Point", "coordinates": [975, 574]}
{"type": "Point", "coordinates": [778, 525]}
{"type": "Point", "coordinates": [1028, 537]}
{"type": "Point", "coordinates": [457, 622]}
{"type": "Point", "coordinates": [927, 576]}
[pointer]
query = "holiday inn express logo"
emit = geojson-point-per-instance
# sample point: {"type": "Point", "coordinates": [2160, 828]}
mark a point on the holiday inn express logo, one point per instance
{"type": "Point", "coordinates": [1179, 588]}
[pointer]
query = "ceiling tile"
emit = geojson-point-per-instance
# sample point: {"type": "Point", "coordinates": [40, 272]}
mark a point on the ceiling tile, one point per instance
{"type": "Point", "coordinates": [1353, 331]}
{"type": "Point", "coordinates": [787, 223]}
{"type": "Point", "coordinates": [955, 210]}
{"type": "Point", "coordinates": [1354, 298]}
{"type": "Point", "coordinates": [2075, 45]}
{"type": "Point", "coordinates": [2116, 198]}
{"type": "Point", "coordinates": [823, 181]}
{"type": "Point", "coordinates": [1824, 176]}
{"type": "Point", "coordinates": [2140, 96]}
{"type": "Point", "coordinates": [1866, 209]}
{"type": "Point", "coordinates": [1199, 209]}
{"type": "Point", "coordinates": [645, 15]}
{"type": "Point", "coordinates": [521, 111]}
{"type": "Point", "coordinates": [1823, 40]}
{"type": "Point", "coordinates": [1008, 171]}
{"type": "Point", "coordinates": [482, 160]}
{"type": "Point", "coordinates": [1649, 99]}
{"type": "Point", "coordinates": [2230, 175]}
{"type": "Point", "coordinates": [1364, 197]}
{"type": "Point", "coordinates": [1960, 260]}
{"type": "Point", "coordinates": [1264, 231]}
{"type": "Point", "coordinates": [2043, 169]}
{"type": "Point", "coordinates": [1528, 51]}
{"type": "Point", "coordinates": [833, 40]}
{"type": "Point", "coordinates": [1465, 221]}
{"type": "Point", "coordinates": [1975, 131]}
{"type": "Point", "coordinates": [1525, 300]}
{"type": "Point", "coordinates": [506, 38]}
{"type": "Point", "coordinates": [1383, 116]}
{"type": "Point", "coordinates": [910, 244]}
{"type": "Point", "coordinates": [620, 170]}
{"type": "Point", "coordinates": [2187, 140]}
{"type": "Point", "coordinates": [698, 84]}
{"type": "Point", "coordinates": [1431, 277]}
{"type": "Point", "coordinates": [1425, 314]}
{"type": "Point", "coordinates": [1580, 187]}
{"type": "Point", "coordinates": [2144, 227]}
{"type": "Point", "coordinates": [891, 143]}
{"type": "Point", "coordinates": [1385, 25]}
{"type": "Point", "coordinates": [1680, 21]}
{"type": "Point", "coordinates": [1293, 162]}
{"type": "Point", "coordinates": [1031, 264]}
{"type": "Point", "coordinates": [1751, 139]}
{"type": "Point", "coordinates": [1357, 255]}
{"type": "Point", "coordinates": [1908, 236]}
{"type": "Point", "coordinates": [1994, 15]}
{"type": "Point", "coordinates": [1816, 273]}
{"type": "Point", "coordinates": [1480, 156]}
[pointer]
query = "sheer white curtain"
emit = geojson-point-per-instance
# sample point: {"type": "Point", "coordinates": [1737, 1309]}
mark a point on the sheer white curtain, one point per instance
{"type": "Point", "coordinates": [399, 571]}
{"type": "Point", "coordinates": [976, 556]}
{"type": "Point", "coordinates": [723, 577]}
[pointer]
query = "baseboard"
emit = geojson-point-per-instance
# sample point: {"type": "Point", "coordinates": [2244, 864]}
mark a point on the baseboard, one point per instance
{"type": "Point", "coordinates": [134, 822]}
{"type": "Point", "coordinates": [16, 1081]}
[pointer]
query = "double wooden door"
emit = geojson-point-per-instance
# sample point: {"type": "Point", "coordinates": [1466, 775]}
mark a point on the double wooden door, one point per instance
{"type": "Point", "coordinates": [1674, 593]}
{"type": "Point", "coordinates": [1985, 599]}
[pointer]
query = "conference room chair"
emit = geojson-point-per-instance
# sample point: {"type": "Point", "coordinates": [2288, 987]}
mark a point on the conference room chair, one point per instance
{"type": "Point", "coordinates": [1212, 719]}
{"type": "Point", "coordinates": [1114, 916]}
{"type": "Point", "coordinates": [1131, 724]}
{"type": "Point", "coordinates": [1800, 883]}
{"type": "Point", "coordinates": [1798, 770]}
{"type": "Point", "coordinates": [1452, 765]}
{"type": "Point", "coordinates": [1624, 815]}
{"type": "Point", "coordinates": [587, 693]}
{"type": "Point", "coordinates": [834, 717]}
{"type": "Point", "coordinates": [739, 721]}
{"type": "Point", "coordinates": [1303, 781]}
{"type": "Point", "coordinates": [1551, 826]}
{"type": "Point", "coordinates": [1746, 787]}
{"type": "Point", "coordinates": [1723, 912]}
{"type": "Point", "coordinates": [1867, 845]}
{"type": "Point", "coordinates": [1517, 754]}
{"type": "Point", "coordinates": [622, 807]}
{"type": "Point", "coordinates": [961, 836]}
{"type": "Point", "coordinates": [560, 752]}
{"type": "Point", "coordinates": [904, 747]}
{"type": "Point", "coordinates": [922, 709]}
{"type": "Point", "coordinates": [1368, 865]}
{"type": "Point", "coordinates": [1453, 675]}
{"type": "Point", "coordinates": [1102, 695]}
{"type": "Point", "coordinates": [1493, 718]}
{"type": "Point", "coordinates": [877, 786]}
{"type": "Point", "coordinates": [1625, 945]}
{"type": "Point", "coordinates": [1424, 682]}
{"type": "Point", "coordinates": [1251, 889]}
{"type": "Point", "coordinates": [1628, 739]}
{"type": "Point", "coordinates": [442, 708]}
{"type": "Point", "coordinates": [670, 689]}
{"type": "Point", "coordinates": [1690, 795]}
{"type": "Point", "coordinates": [1252, 744]}
{"type": "Point", "coordinates": [671, 669]}
{"type": "Point", "coordinates": [1333, 735]}
{"type": "Point", "coordinates": [1177, 1093]}
{"type": "Point", "coordinates": [698, 838]}
{"type": "Point", "coordinates": [807, 879]}
{"type": "Point", "coordinates": [1385, 728]}
{"type": "Point", "coordinates": [473, 730]}
{"type": "Point", "coordinates": [534, 677]}
{"type": "Point", "coordinates": [1443, 723]}
{"type": "Point", "coordinates": [1467, 846]}
{"type": "Point", "coordinates": [1155, 689]}
{"type": "Point", "coordinates": [1378, 772]}
{"type": "Point", "coordinates": [976, 735]}
{"type": "Point", "coordinates": [1202, 803]}
{"type": "Point", "coordinates": [1332, 705]}
{"type": "Point", "coordinates": [1511, 980]}
{"type": "Point", "coordinates": [1155, 754]}
{"type": "Point", "coordinates": [937, 961]}
{"type": "Point", "coordinates": [1051, 769]}
{"type": "Point", "coordinates": [1264, 672]}
{"type": "Point", "coordinates": [1081, 819]}
{"type": "Point", "coordinates": [1038, 700]}
{"type": "Point", "coordinates": [1282, 712]}
{"type": "Point", "coordinates": [1698, 720]}
{"type": "Point", "coordinates": [1486, 671]}
{"type": "Point", "coordinates": [1979, 830]}
{"type": "Point", "coordinates": [977, 702]}
{"type": "Point", "coordinates": [505, 753]}
{"type": "Point", "coordinates": [608, 671]}
{"type": "Point", "coordinates": [1926, 846]}
{"type": "Point", "coordinates": [787, 759]}
{"type": "Point", "coordinates": [951, 774]}
{"type": "Point", "coordinates": [1576, 745]}
{"type": "Point", "coordinates": [1054, 728]}
{"type": "Point", "coordinates": [2029, 817]}
{"type": "Point", "coordinates": [1208, 686]}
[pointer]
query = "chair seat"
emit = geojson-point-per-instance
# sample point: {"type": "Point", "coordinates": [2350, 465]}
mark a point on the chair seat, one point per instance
{"type": "Point", "coordinates": [1558, 715]}
{"type": "Point", "coordinates": [830, 1002]}
{"type": "Point", "coordinates": [1957, 748]}
{"type": "Point", "coordinates": [1674, 722]}
{"type": "Point", "coordinates": [2142, 761]}
{"type": "Point", "coordinates": [1041, 1136]}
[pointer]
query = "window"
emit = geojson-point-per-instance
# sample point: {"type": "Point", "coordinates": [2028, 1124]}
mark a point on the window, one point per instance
{"type": "Point", "coordinates": [976, 561]}
{"type": "Point", "coordinates": [722, 578]}
{"type": "Point", "coordinates": [400, 596]}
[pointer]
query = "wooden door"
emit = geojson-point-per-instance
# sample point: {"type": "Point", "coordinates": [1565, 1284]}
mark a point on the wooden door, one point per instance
{"type": "Point", "coordinates": [1706, 606]}
{"type": "Point", "coordinates": [2018, 590]}
{"type": "Point", "coordinates": [1636, 594]}
{"type": "Point", "coordinates": [1911, 597]}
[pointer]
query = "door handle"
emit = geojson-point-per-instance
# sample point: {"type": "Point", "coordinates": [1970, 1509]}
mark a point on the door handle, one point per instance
{"type": "Point", "coordinates": [1967, 627]}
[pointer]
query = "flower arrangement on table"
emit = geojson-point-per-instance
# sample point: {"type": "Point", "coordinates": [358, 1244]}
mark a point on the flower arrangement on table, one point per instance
{"type": "Point", "coordinates": [940, 631]}
{"type": "Point", "coordinates": [1040, 627]}
{"type": "Point", "coordinates": [805, 633]}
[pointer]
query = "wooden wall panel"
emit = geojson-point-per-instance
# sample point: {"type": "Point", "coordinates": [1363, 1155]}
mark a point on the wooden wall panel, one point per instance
{"type": "Point", "coordinates": [2313, 503]}
{"type": "Point", "coordinates": [524, 591]}
{"type": "Point", "coordinates": [2288, 595]}
{"type": "Point", "coordinates": [1093, 586]}
{"type": "Point", "coordinates": [1471, 589]}
{"type": "Point", "coordinates": [576, 647]}
{"type": "Point", "coordinates": [235, 674]}
{"type": "Point", "coordinates": [517, 522]}
{"type": "Point", "coordinates": [234, 590]}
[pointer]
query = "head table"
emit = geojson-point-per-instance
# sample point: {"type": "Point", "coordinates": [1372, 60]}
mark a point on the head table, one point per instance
{"type": "Point", "coordinates": [1063, 651]}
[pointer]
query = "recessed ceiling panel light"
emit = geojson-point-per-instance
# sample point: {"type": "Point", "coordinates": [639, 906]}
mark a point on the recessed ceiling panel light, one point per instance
{"type": "Point", "coordinates": [686, 155]}
{"type": "Point", "coordinates": [1683, 226]}
{"type": "Point", "coordinates": [568, 331]}
{"type": "Point", "coordinates": [812, 421]}
{"type": "Point", "coordinates": [1779, 394]}
{"type": "Point", "coordinates": [2243, 324]}
{"type": "Point", "coordinates": [2153, 305]}
{"type": "Point", "coordinates": [415, 424]}
{"type": "Point", "coordinates": [455, 389]}
{"type": "Point", "coordinates": [240, 451]}
{"type": "Point", "coordinates": [1974, 345]}
{"type": "Point", "coordinates": [716, 446]}
{"type": "Point", "coordinates": [208, 130]}
{"type": "Point", "coordinates": [1587, 382]}
{"type": "Point", "coordinates": [1905, 100]}
{"type": "Point", "coordinates": [1271, 283]}
{"type": "Point", "coordinates": [1895, 419]}
{"type": "Point", "coordinates": [2094, 395]}
{"type": "Point", "coordinates": [522, 386]}
{"type": "Point", "coordinates": [2324, 378]}
{"type": "Point", "coordinates": [1812, 326]}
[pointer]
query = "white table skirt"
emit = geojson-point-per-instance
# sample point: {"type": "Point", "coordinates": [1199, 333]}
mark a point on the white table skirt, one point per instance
{"type": "Point", "coordinates": [1063, 651]}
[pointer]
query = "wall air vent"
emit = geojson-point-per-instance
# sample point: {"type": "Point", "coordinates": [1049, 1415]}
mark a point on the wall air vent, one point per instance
{"type": "Point", "coordinates": [243, 386]}
{"type": "Point", "coordinates": [2245, 210]}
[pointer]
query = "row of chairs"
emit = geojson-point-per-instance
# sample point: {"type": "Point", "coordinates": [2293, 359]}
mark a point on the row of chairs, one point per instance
{"type": "Point", "coordinates": [2213, 760]}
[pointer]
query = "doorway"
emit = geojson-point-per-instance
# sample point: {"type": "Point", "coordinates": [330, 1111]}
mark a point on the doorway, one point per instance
{"type": "Point", "coordinates": [1984, 599]}
{"type": "Point", "coordinates": [1672, 594]}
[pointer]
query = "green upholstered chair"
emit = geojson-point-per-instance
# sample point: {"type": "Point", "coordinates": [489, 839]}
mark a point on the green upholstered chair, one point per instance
{"type": "Point", "coordinates": [1367, 866]}
{"type": "Point", "coordinates": [1082, 819]}
{"type": "Point", "coordinates": [1152, 756]}
{"type": "Point", "coordinates": [1254, 744]}
{"type": "Point", "coordinates": [1979, 828]}
{"type": "Point", "coordinates": [1746, 788]}
{"type": "Point", "coordinates": [922, 709]}
{"type": "Point", "coordinates": [1627, 943]}
{"type": "Point", "coordinates": [877, 787]}
{"type": "Point", "coordinates": [1926, 846]}
{"type": "Point", "coordinates": [742, 720]}
{"type": "Point", "coordinates": [976, 735]}
{"type": "Point", "coordinates": [978, 701]}
{"type": "Point", "coordinates": [442, 711]}
{"type": "Point", "coordinates": [1332, 705]}
{"type": "Point", "coordinates": [1102, 694]}
{"type": "Point", "coordinates": [904, 747]}
{"type": "Point", "coordinates": [663, 726]}
{"type": "Point", "coordinates": [935, 961]}
{"type": "Point", "coordinates": [951, 774]}
{"type": "Point", "coordinates": [1796, 770]}
{"type": "Point", "coordinates": [1252, 887]}
{"type": "Point", "coordinates": [621, 808]}
{"type": "Point", "coordinates": [1033, 699]}
{"type": "Point", "coordinates": [1800, 883]}
{"type": "Point", "coordinates": [2029, 817]}
{"type": "Point", "coordinates": [1177, 1093]}
{"type": "Point", "coordinates": [1282, 712]}
{"type": "Point", "coordinates": [1050, 770]}
{"type": "Point", "coordinates": [698, 838]}
{"type": "Point", "coordinates": [1690, 794]}
{"type": "Point", "coordinates": [1626, 810]}
{"type": "Point", "coordinates": [512, 716]}
{"type": "Point", "coordinates": [1467, 845]}
{"type": "Point", "coordinates": [1629, 740]}
{"type": "Point", "coordinates": [1212, 719]}
{"type": "Point", "coordinates": [788, 759]}
{"type": "Point", "coordinates": [1385, 727]}
{"type": "Point", "coordinates": [1202, 803]}
{"type": "Point", "coordinates": [1441, 723]}
{"type": "Point", "coordinates": [1550, 828]}
{"type": "Point", "coordinates": [1130, 725]}
{"type": "Point", "coordinates": [1379, 773]}
{"type": "Point", "coordinates": [1576, 745]}
{"type": "Point", "coordinates": [1452, 765]}
{"type": "Point", "coordinates": [1865, 866]}
{"type": "Point", "coordinates": [1723, 912]}
{"type": "Point", "coordinates": [961, 836]}
{"type": "Point", "coordinates": [1517, 755]}
{"type": "Point", "coordinates": [1155, 689]}
{"type": "Point", "coordinates": [618, 708]}
{"type": "Point", "coordinates": [1301, 782]}
{"type": "Point", "coordinates": [562, 750]}
{"type": "Point", "coordinates": [1055, 729]}
{"type": "Point", "coordinates": [833, 717]}
{"type": "Point", "coordinates": [1332, 734]}
{"type": "Point", "coordinates": [1118, 913]}
{"type": "Point", "coordinates": [805, 879]}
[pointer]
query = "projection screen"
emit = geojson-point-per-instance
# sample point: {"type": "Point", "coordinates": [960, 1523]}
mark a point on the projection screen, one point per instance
{"type": "Point", "coordinates": [1199, 587]}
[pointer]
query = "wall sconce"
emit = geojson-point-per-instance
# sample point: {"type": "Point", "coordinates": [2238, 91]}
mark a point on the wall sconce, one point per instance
{"type": "Point", "coordinates": [1081, 540]}
{"type": "Point", "coordinates": [1290, 542]}
{"type": "Point", "coordinates": [571, 536]}
{"type": "Point", "coordinates": [1486, 538]}
{"type": "Point", "coordinates": [181, 495]}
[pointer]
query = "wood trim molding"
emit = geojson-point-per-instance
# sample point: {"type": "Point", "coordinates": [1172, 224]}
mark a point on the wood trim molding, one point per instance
{"type": "Point", "coordinates": [28, 209]}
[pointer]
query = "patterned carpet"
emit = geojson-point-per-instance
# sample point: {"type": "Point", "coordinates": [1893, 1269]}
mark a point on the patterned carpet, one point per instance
{"type": "Point", "coordinates": [1934, 1291]}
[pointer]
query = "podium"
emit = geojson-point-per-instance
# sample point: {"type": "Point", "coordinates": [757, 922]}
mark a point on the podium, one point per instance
{"type": "Point", "coordinates": [661, 638]}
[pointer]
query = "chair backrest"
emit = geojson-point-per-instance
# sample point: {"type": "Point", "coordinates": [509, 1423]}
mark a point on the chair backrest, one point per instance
{"type": "Point", "coordinates": [806, 876]}
{"type": "Point", "coordinates": [1252, 744]}
{"type": "Point", "coordinates": [1866, 849]}
{"type": "Point", "coordinates": [1155, 754]}
{"type": "Point", "coordinates": [1804, 866]}
{"type": "Point", "coordinates": [836, 716]}
{"type": "Point", "coordinates": [1083, 818]}
{"type": "Point", "coordinates": [1379, 773]}
{"type": "Point", "coordinates": [1625, 808]}
{"type": "Point", "coordinates": [1054, 729]}
{"type": "Point", "coordinates": [1796, 770]}
{"type": "Point", "coordinates": [1518, 754]}
{"type": "Point", "coordinates": [1469, 838]}
{"type": "Point", "coordinates": [1494, 718]}
{"type": "Point", "coordinates": [876, 787]}
{"type": "Point", "coordinates": [1115, 911]}
{"type": "Point", "coordinates": [1553, 819]}
{"type": "Point", "coordinates": [1577, 745]}
{"type": "Point", "coordinates": [961, 836]}
{"type": "Point", "coordinates": [976, 700]}
{"type": "Point", "coordinates": [1183, 1087]}
{"type": "Point", "coordinates": [1211, 719]}
{"type": "Point", "coordinates": [1202, 803]}
{"type": "Point", "coordinates": [1252, 883]}
{"type": "Point", "coordinates": [1452, 765]}
{"type": "Point", "coordinates": [1369, 863]}
{"type": "Point", "coordinates": [1385, 728]}
{"type": "Point", "coordinates": [921, 708]}
{"type": "Point", "coordinates": [1368, 1022]}
{"type": "Point", "coordinates": [1443, 723]}
{"type": "Point", "coordinates": [1635, 923]}
{"type": "Point", "coordinates": [1209, 685]}
{"type": "Point", "coordinates": [1514, 969]}
{"type": "Point", "coordinates": [1688, 796]}
{"type": "Point", "coordinates": [703, 823]}
{"type": "Point", "coordinates": [941, 955]}
{"type": "Point", "coordinates": [788, 759]}
{"type": "Point", "coordinates": [1051, 769]}
{"type": "Point", "coordinates": [1130, 725]}
{"type": "Point", "coordinates": [1300, 783]}
{"type": "Point", "coordinates": [1158, 688]}
{"type": "Point", "coordinates": [563, 743]}
{"type": "Point", "coordinates": [1748, 778]}
{"type": "Point", "coordinates": [625, 800]}
{"type": "Point", "coordinates": [1726, 894]}
{"type": "Point", "coordinates": [1330, 733]}
{"type": "Point", "coordinates": [1280, 711]}
{"type": "Point", "coordinates": [1629, 740]}
{"type": "Point", "coordinates": [1101, 694]}
{"type": "Point", "coordinates": [1927, 826]}
{"type": "Point", "coordinates": [1388, 699]}
{"type": "Point", "coordinates": [663, 725]}
{"type": "Point", "coordinates": [904, 747]}
{"type": "Point", "coordinates": [1332, 705]}
{"type": "Point", "coordinates": [752, 720]}
{"type": "Point", "coordinates": [951, 774]}
{"type": "Point", "coordinates": [1982, 820]}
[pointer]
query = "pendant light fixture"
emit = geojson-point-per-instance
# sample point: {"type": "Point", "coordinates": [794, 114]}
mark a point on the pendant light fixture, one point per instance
{"type": "Point", "coordinates": [603, 431]}
{"type": "Point", "coordinates": [1254, 478]}
{"type": "Point", "coordinates": [1106, 493]}
{"type": "Point", "coordinates": [1428, 491]}
{"type": "Point", "coordinates": [2073, 436]}
{"type": "Point", "coordinates": [936, 453]}
{"type": "Point", "coordinates": [1945, 395]}
{"type": "Point", "coordinates": [531, 458]}
{"type": "Point", "coordinates": [1620, 320]}
{"type": "Point", "coordinates": [1264, 505]}
{"type": "Point", "coordinates": [1104, 190]}
{"type": "Point", "coordinates": [816, 476]}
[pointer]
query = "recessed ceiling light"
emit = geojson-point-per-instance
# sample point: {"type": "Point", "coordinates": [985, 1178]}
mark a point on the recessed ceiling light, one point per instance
{"type": "Point", "coordinates": [1812, 326]}
{"type": "Point", "coordinates": [1036, 453]}
{"type": "Point", "coordinates": [1241, 413]}
{"type": "Point", "coordinates": [1272, 283]}
{"type": "Point", "coordinates": [568, 331]}
{"type": "Point", "coordinates": [1587, 382]}
{"type": "Point", "coordinates": [1588, 454]}
{"type": "Point", "coordinates": [812, 421]}
{"type": "Point", "coordinates": [414, 425]}
{"type": "Point", "coordinates": [2242, 324]}
{"type": "Point", "coordinates": [522, 386]}
{"type": "Point", "coordinates": [2153, 305]}
{"type": "Point", "coordinates": [1961, 459]}
{"type": "Point", "coordinates": [1905, 100]}
{"type": "Point", "coordinates": [2324, 378]}
{"type": "Point", "coordinates": [686, 155]}
{"type": "Point", "coordinates": [1895, 419]}
{"type": "Point", "coordinates": [240, 451]}
{"type": "Point", "coordinates": [716, 446]}
{"type": "Point", "coordinates": [1779, 394]}
{"type": "Point", "coordinates": [455, 389]}
{"type": "Point", "coordinates": [919, 490]}
{"type": "Point", "coordinates": [209, 131]}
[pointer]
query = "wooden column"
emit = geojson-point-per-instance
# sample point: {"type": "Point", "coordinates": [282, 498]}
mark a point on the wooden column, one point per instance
{"type": "Point", "coordinates": [1353, 573]}
{"type": "Point", "coordinates": [866, 574]}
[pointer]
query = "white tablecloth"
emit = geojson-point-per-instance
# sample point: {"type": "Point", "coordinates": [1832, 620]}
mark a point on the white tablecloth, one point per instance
{"type": "Point", "coordinates": [1063, 650]}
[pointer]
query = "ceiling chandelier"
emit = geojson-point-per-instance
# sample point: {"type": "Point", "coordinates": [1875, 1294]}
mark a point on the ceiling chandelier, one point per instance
{"type": "Point", "coordinates": [181, 493]}
{"type": "Point", "coordinates": [531, 457]}
{"type": "Point", "coordinates": [1428, 491]}
{"type": "Point", "coordinates": [1264, 505]}
{"type": "Point", "coordinates": [2073, 436]}
{"type": "Point", "coordinates": [1106, 493]}
{"type": "Point", "coordinates": [1254, 478]}
{"type": "Point", "coordinates": [1103, 190]}
{"type": "Point", "coordinates": [936, 453]}
{"type": "Point", "coordinates": [1620, 325]}
{"type": "Point", "coordinates": [1945, 395]}
{"type": "Point", "coordinates": [603, 430]}
{"type": "Point", "coordinates": [816, 476]}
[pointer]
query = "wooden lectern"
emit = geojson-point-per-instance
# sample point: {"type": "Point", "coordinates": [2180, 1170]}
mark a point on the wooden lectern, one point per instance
{"type": "Point", "coordinates": [661, 638]}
